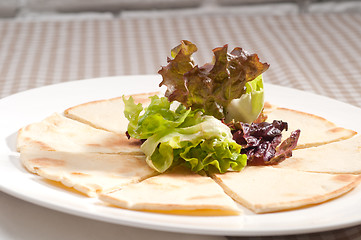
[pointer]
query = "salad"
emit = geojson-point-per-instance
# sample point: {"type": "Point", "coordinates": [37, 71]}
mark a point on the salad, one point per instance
{"type": "Point", "coordinates": [211, 116]}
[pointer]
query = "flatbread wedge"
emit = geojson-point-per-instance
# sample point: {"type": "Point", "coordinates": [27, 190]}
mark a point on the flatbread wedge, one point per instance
{"type": "Point", "coordinates": [337, 157]}
{"type": "Point", "coordinates": [89, 173]}
{"type": "Point", "coordinates": [178, 192]}
{"type": "Point", "coordinates": [315, 130]}
{"type": "Point", "coordinates": [109, 112]}
{"type": "Point", "coordinates": [59, 133]}
{"type": "Point", "coordinates": [268, 189]}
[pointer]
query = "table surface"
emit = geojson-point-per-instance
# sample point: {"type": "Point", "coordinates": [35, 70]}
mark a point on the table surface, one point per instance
{"type": "Point", "coordinates": [319, 53]}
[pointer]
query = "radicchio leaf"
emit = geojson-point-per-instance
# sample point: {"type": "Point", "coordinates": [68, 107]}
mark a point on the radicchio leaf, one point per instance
{"type": "Point", "coordinates": [213, 86]}
{"type": "Point", "coordinates": [285, 149]}
{"type": "Point", "coordinates": [261, 142]}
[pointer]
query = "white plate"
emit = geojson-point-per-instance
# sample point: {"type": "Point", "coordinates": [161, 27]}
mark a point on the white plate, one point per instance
{"type": "Point", "coordinates": [34, 105]}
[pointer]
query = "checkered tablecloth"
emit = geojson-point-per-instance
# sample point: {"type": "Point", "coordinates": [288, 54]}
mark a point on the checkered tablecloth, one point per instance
{"type": "Point", "coordinates": [315, 53]}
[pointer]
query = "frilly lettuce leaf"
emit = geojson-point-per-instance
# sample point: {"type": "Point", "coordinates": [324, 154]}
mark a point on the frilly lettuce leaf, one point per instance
{"type": "Point", "coordinates": [213, 86]}
{"type": "Point", "coordinates": [158, 117]}
{"type": "Point", "coordinates": [182, 136]}
{"type": "Point", "coordinates": [248, 107]}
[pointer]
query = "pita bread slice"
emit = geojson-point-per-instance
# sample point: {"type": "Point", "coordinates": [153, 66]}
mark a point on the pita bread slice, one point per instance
{"type": "Point", "coordinates": [107, 114]}
{"type": "Point", "coordinates": [89, 173]}
{"type": "Point", "coordinates": [59, 133]}
{"type": "Point", "coordinates": [268, 189]}
{"type": "Point", "coordinates": [179, 191]}
{"type": "Point", "coordinates": [337, 157]}
{"type": "Point", "coordinates": [315, 130]}
{"type": "Point", "coordinates": [268, 107]}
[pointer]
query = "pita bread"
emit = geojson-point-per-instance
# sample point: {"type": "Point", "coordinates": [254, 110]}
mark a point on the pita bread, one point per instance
{"type": "Point", "coordinates": [109, 112]}
{"type": "Point", "coordinates": [59, 133]}
{"type": "Point", "coordinates": [89, 173]}
{"type": "Point", "coordinates": [338, 157]}
{"type": "Point", "coordinates": [268, 107]}
{"type": "Point", "coordinates": [315, 130]}
{"type": "Point", "coordinates": [178, 191]}
{"type": "Point", "coordinates": [268, 189]}
{"type": "Point", "coordinates": [88, 150]}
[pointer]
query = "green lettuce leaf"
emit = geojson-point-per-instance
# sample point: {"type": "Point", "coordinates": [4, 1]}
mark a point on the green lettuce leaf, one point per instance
{"type": "Point", "coordinates": [157, 117]}
{"type": "Point", "coordinates": [182, 136]}
{"type": "Point", "coordinates": [248, 107]}
{"type": "Point", "coordinates": [213, 86]}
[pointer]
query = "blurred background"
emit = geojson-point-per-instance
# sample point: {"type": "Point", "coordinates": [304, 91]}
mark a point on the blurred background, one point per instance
{"type": "Point", "coordinates": [44, 42]}
{"type": "Point", "coordinates": [119, 8]}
